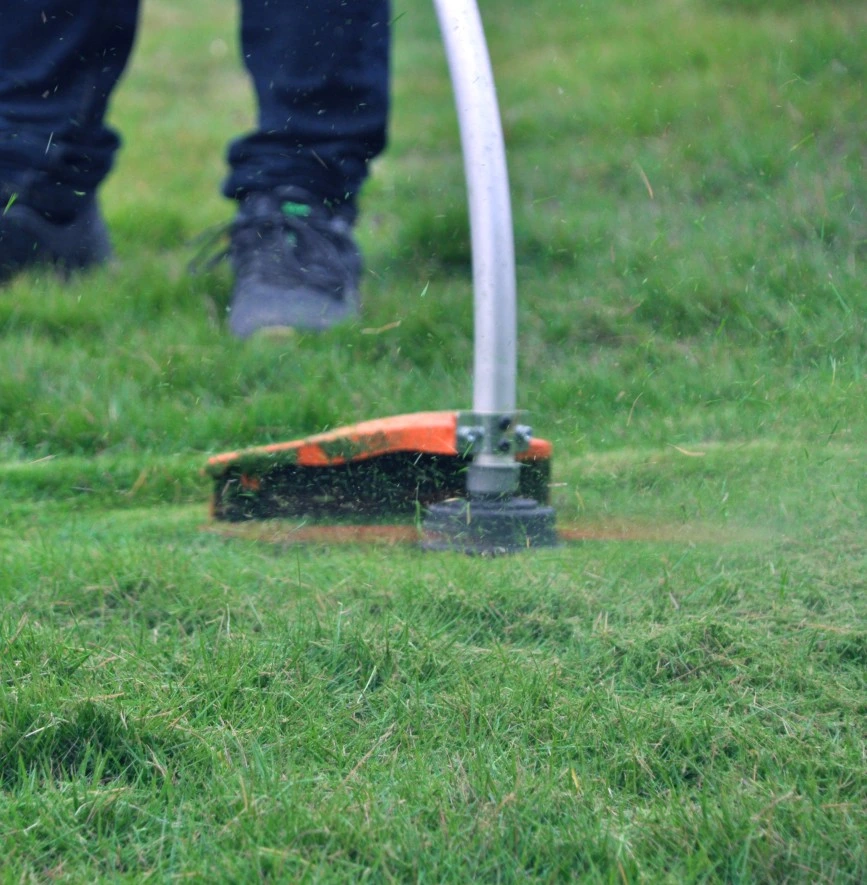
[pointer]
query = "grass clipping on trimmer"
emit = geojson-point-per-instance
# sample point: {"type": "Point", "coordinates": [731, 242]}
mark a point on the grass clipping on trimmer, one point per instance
{"type": "Point", "coordinates": [375, 469]}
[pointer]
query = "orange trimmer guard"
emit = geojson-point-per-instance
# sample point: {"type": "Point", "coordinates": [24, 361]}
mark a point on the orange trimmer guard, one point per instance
{"type": "Point", "coordinates": [386, 467]}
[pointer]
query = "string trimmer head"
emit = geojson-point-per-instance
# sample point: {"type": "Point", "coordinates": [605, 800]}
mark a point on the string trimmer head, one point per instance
{"type": "Point", "coordinates": [381, 468]}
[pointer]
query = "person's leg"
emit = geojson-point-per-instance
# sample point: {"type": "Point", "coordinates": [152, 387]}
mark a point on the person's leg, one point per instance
{"type": "Point", "coordinates": [321, 74]}
{"type": "Point", "coordinates": [59, 61]}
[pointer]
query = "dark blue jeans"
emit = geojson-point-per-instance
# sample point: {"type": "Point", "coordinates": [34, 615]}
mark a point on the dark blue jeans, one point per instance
{"type": "Point", "coordinates": [320, 70]}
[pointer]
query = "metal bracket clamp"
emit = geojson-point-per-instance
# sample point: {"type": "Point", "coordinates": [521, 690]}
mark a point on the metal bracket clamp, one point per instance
{"type": "Point", "coordinates": [491, 440]}
{"type": "Point", "coordinates": [491, 434]}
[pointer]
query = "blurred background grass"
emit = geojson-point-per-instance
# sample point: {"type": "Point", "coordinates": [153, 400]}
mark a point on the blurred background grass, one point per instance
{"type": "Point", "coordinates": [690, 224]}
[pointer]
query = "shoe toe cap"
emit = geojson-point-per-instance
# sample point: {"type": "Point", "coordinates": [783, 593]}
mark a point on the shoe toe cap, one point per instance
{"type": "Point", "coordinates": [270, 309]}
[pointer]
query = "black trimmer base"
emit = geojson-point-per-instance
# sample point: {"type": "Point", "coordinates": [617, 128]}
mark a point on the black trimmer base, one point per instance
{"type": "Point", "coordinates": [488, 527]}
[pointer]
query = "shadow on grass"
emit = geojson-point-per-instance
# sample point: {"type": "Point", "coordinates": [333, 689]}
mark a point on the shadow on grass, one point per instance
{"type": "Point", "coordinates": [91, 740]}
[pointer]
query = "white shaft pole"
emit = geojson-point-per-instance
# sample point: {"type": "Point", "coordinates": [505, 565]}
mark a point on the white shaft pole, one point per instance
{"type": "Point", "coordinates": [493, 249]}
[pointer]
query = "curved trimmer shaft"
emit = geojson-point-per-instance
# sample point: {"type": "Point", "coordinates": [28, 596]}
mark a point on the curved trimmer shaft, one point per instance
{"type": "Point", "coordinates": [490, 518]}
{"type": "Point", "coordinates": [494, 471]}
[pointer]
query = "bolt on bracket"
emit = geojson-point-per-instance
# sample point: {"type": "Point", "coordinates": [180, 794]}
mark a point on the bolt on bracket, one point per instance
{"type": "Point", "coordinates": [493, 434]}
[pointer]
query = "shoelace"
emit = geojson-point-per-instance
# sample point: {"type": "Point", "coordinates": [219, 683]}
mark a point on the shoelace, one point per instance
{"type": "Point", "coordinates": [208, 251]}
{"type": "Point", "coordinates": [294, 221]}
{"type": "Point", "coordinates": [208, 255]}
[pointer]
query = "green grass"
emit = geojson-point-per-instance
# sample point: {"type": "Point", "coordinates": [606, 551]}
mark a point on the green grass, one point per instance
{"type": "Point", "coordinates": [681, 699]}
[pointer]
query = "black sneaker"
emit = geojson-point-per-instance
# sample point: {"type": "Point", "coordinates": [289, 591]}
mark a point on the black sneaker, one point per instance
{"type": "Point", "coordinates": [296, 264]}
{"type": "Point", "coordinates": [28, 239]}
